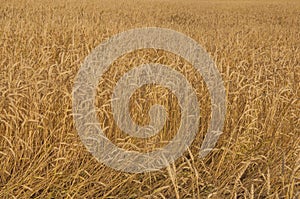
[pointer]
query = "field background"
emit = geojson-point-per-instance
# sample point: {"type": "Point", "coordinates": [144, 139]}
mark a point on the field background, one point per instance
{"type": "Point", "coordinates": [256, 46]}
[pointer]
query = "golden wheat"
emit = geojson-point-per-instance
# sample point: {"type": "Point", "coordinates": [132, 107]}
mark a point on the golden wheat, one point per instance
{"type": "Point", "coordinates": [256, 46]}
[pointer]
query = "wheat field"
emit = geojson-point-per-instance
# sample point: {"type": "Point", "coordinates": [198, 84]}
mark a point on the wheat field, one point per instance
{"type": "Point", "coordinates": [255, 45]}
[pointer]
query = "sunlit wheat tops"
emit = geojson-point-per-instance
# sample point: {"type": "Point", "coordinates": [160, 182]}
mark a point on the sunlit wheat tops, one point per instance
{"type": "Point", "coordinates": [256, 47]}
